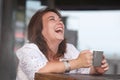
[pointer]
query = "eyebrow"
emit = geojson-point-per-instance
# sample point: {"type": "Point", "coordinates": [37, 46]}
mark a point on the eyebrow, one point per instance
{"type": "Point", "coordinates": [54, 17]}
{"type": "Point", "coordinates": [51, 17]}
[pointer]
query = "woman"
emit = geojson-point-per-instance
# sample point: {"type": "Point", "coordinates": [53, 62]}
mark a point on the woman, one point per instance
{"type": "Point", "coordinates": [48, 52]}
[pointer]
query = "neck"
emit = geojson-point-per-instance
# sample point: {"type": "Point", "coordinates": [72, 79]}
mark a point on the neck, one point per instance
{"type": "Point", "coordinates": [54, 47]}
{"type": "Point", "coordinates": [53, 51]}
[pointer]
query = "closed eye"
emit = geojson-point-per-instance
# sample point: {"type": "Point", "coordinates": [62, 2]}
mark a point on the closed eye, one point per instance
{"type": "Point", "coordinates": [51, 18]}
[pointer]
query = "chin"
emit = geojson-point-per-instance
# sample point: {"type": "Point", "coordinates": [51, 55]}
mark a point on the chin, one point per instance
{"type": "Point", "coordinates": [60, 39]}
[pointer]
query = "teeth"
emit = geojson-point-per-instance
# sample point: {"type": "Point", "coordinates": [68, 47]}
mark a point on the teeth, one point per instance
{"type": "Point", "coordinates": [59, 30]}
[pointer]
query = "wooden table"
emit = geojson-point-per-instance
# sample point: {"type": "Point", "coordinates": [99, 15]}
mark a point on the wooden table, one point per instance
{"type": "Point", "coordinates": [39, 76]}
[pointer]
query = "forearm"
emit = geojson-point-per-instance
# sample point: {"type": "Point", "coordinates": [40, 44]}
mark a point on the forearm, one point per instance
{"type": "Point", "coordinates": [83, 61]}
{"type": "Point", "coordinates": [53, 67]}
{"type": "Point", "coordinates": [58, 67]}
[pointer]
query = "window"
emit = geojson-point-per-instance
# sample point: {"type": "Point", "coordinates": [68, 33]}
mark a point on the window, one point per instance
{"type": "Point", "coordinates": [97, 30]}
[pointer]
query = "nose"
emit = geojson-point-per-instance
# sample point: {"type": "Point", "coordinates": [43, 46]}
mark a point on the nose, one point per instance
{"type": "Point", "coordinates": [60, 22]}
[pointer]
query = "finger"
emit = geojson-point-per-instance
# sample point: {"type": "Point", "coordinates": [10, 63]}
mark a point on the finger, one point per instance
{"type": "Point", "coordinates": [88, 51]}
{"type": "Point", "coordinates": [85, 51]}
{"type": "Point", "coordinates": [90, 57]}
{"type": "Point", "coordinates": [103, 57]}
{"type": "Point", "coordinates": [104, 61]}
{"type": "Point", "coordinates": [106, 68]}
{"type": "Point", "coordinates": [90, 64]}
{"type": "Point", "coordinates": [105, 65]}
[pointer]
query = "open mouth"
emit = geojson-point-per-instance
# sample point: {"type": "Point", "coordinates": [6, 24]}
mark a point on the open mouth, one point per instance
{"type": "Point", "coordinates": [59, 30]}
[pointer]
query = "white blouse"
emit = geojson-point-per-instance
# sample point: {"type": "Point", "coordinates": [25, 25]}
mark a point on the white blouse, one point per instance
{"type": "Point", "coordinates": [31, 59]}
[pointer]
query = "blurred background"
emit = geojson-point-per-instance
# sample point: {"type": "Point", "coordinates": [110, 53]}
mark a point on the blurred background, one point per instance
{"type": "Point", "coordinates": [89, 24]}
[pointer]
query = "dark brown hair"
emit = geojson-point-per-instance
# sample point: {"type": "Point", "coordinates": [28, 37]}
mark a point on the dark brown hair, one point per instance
{"type": "Point", "coordinates": [35, 28]}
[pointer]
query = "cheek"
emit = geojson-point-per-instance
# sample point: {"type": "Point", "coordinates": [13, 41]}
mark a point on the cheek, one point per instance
{"type": "Point", "coordinates": [47, 32]}
{"type": "Point", "coordinates": [44, 31]}
{"type": "Point", "coordinates": [48, 29]}
{"type": "Point", "coordinates": [51, 32]}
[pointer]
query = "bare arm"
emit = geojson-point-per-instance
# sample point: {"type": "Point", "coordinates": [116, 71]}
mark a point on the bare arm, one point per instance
{"type": "Point", "coordinates": [83, 61]}
{"type": "Point", "coordinates": [58, 66]}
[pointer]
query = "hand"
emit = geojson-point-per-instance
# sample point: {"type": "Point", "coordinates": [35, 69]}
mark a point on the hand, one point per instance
{"type": "Point", "coordinates": [103, 68]}
{"type": "Point", "coordinates": [85, 59]}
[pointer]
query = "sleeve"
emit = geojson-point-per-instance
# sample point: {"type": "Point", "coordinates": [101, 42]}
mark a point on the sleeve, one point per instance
{"type": "Point", "coordinates": [73, 53]}
{"type": "Point", "coordinates": [30, 61]}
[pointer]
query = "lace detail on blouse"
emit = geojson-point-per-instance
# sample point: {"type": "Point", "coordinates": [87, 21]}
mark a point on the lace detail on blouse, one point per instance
{"type": "Point", "coordinates": [31, 59]}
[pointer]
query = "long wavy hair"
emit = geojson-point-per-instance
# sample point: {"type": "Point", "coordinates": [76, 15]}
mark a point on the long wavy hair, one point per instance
{"type": "Point", "coordinates": [35, 35]}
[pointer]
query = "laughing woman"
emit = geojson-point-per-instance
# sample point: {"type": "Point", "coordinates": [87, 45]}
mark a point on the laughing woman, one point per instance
{"type": "Point", "coordinates": [48, 52]}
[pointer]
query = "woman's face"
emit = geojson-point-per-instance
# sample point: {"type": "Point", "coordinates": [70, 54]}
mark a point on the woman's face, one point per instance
{"type": "Point", "coordinates": [53, 27]}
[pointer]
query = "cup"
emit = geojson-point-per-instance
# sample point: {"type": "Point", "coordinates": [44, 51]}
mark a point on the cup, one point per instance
{"type": "Point", "coordinates": [97, 58]}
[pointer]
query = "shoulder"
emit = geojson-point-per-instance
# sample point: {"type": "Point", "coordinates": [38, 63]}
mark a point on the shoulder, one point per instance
{"type": "Point", "coordinates": [31, 59]}
{"type": "Point", "coordinates": [27, 46]}
{"type": "Point", "coordinates": [28, 50]}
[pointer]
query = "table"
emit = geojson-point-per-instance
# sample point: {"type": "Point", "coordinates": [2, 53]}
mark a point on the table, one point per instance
{"type": "Point", "coordinates": [75, 76]}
